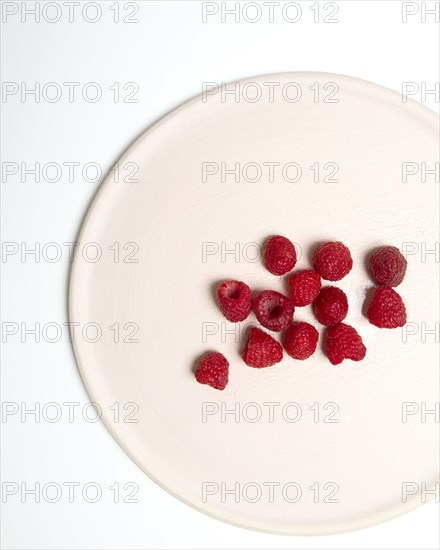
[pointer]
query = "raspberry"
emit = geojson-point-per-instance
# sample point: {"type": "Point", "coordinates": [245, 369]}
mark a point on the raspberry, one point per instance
{"type": "Point", "coordinates": [213, 370]}
{"type": "Point", "coordinates": [332, 261]}
{"type": "Point", "coordinates": [235, 300]}
{"type": "Point", "coordinates": [343, 342]}
{"type": "Point", "coordinates": [279, 255]}
{"type": "Point", "coordinates": [387, 266]}
{"type": "Point", "coordinates": [273, 310]}
{"type": "Point", "coordinates": [386, 309]}
{"type": "Point", "coordinates": [261, 349]}
{"type": "Point", "coordinates": [304, 287]}
{"type": "Point", "coordinates": [300, 340]}
{"type": "Point", "coordinates": [331, 306]}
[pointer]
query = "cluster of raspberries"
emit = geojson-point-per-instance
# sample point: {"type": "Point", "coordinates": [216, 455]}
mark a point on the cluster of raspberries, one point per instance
{"type": "Point", "coordinates": [274, 311]}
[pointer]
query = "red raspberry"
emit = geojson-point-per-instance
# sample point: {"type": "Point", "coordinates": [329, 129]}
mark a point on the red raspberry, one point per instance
{"type": "Point", "coordinates": [273, 310]}
{"type": "Point", "coordinates": [279, 255]}
{"type": "Point", "coordinates": [300, 340]}
{"type": "Point", "coordinates": [386, 309]}
{"type": "Point", "coordinates": [331, 306]}
{"type": "Point", "coordinates": [387, 266]}
{"type": "Point", "coordinates": [343, 342]}
{"type": "Point", "coordinates": [332, 261]}
{"type": "Point", "coordinates": [213, 370]}
{"type": "Point", "coordinates": [261, 349]}
{"type": "Point", "coordinates": [235, 300]}
{"type": "Point", "coordinates": [304, 287]}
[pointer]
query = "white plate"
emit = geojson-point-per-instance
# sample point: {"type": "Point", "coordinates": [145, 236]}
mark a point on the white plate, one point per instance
{"type": "Point", "coordinates": [366, 457]}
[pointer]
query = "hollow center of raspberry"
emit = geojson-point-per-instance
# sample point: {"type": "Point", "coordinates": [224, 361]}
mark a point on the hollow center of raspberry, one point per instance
{"type": "Point", "coordinates": [234, 293]}
{"type": "Point", "coordinates": [273, 311]}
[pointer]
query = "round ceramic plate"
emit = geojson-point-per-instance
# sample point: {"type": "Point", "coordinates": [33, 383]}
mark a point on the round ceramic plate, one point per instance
{"type": "Point", "coordinates": [301, 447]}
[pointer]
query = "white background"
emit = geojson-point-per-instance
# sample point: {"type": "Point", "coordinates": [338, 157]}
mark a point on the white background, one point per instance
{"type": "Point", "coordinates": [168, 54]}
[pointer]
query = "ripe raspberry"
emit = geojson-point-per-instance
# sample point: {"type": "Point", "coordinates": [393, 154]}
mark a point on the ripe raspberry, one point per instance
{"type": "Point", "coordinates": [300, 340]}
{"type": "Point", "coordinates": [332, 261]}
{"type": "Point", "coordinates": [279, 255]}
{"type": "Point", "coordinates": [386, 309]}
{"type": "Point", "coordinates": [261, 349]}
{"type": "Point", "coordinates": [304, 287]}
{"type": "Point", "coordinates": [343, 342]}
{"type": "Point", "coordinates": [331, 306]}
{"type": "Point", "coordinates": [273, 310]}
{"type": "Point", "coordinates": [235, 300]}
{"type": "Point", "coordinates": [387, 266]}
{"type": "Point", "coordinates": [213, 370]}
